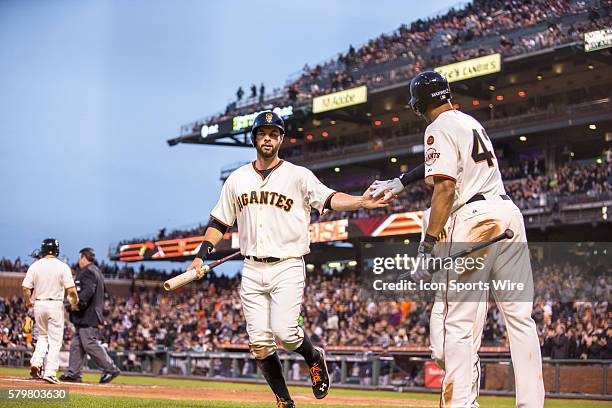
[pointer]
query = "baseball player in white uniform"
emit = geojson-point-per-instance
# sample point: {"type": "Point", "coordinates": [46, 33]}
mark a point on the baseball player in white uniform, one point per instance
{"type": "Point", "coordinates": [461, 164]}
{"type": "Point", "coordinates": [46, 281]}
{"type": "Point", "coordinates": [271, 199]}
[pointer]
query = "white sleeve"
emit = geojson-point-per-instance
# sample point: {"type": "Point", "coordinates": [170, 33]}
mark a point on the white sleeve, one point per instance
{"type": "Point", "coordinates": [28, 281]}
{"type": "Point", "coordinates": [441, 156]}
{"type": "Point", "coordinates": [317, 193]}
{"type": "Point", "coordinates": [67, 280]}
{"type": "Point", "coordinates": [225, 210]}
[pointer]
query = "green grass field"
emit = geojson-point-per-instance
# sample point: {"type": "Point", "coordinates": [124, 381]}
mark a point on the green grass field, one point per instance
{"type": "Point", "coordinates": [82, 400]}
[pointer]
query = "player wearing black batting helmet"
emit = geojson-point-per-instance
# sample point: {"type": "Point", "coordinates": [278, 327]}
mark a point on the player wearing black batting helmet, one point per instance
{"type": "Point", "coordinates": [49, 246]}
{"type": "Point", "coordinates": [428, 89]}
{"type": "Point", "coordinates": [267, 118]}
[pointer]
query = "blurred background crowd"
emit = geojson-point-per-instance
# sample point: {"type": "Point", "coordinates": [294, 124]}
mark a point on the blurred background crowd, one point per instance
{"type": "Point", "coordinates": [571, 311]}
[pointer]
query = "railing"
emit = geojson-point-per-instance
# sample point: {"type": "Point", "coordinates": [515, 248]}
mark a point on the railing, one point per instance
{"type": "Point", "coordinates": [366, 370]}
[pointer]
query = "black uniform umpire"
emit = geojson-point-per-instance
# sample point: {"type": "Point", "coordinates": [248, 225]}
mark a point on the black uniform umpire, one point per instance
{"type": "Point", "coordinates": [90, 287]}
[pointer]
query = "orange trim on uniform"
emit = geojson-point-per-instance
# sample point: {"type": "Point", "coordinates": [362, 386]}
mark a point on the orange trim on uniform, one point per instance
{"type": "Point", "coordinates": [219, 221]}
{"type": "Point", "coordinates": [327, 200]}
{"type": "Point", "coordinates": [272, 169]}
{"type": "Point", "coordinates": [441, 175]}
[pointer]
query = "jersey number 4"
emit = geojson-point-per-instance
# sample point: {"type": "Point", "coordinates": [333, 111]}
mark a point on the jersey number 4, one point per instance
{"type": "Point", "coordinates": [479, 149]}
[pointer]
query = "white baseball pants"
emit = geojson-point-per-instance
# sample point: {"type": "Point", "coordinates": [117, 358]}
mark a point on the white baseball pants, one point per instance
{"type": "Point", "coordinates": [271, 296]}
{"type": "Point", "coordinates": [49, 317]}
{"type": "Point", "coordinates": [477, 222]}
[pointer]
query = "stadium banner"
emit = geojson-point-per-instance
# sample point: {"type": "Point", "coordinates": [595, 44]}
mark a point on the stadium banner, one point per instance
{"type": "Point", "coordinates": [597, 40]}
{"type": "Point", "coordinates": [472, 68]}
{"type": "Point", "coordinates": [325, 231]}
{"type": "Point", "coordinates": [341, 99]}
{"type": "Point", "coordinates": [242, 122]}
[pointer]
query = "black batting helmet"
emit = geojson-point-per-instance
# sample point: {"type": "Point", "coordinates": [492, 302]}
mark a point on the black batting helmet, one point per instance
{"type": "Point", "coordinates": [267, 118]}
{"type": "Point", "coordinates": [429, 88]}
{"type": "Point", "coordinates": [49, 246]}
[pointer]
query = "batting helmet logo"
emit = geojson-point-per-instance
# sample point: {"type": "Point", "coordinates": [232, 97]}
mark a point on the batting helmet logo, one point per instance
{"type": "Point", "coordinates": [269, 117]}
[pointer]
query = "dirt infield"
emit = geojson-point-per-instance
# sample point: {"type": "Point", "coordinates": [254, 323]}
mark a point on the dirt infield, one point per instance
{"type": "Point", "coordinates": [204, 394]}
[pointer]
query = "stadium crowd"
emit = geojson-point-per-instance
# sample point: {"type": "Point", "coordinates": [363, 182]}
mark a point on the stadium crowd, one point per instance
{"type": "Point", "coordinates": [527, 184]}
{"type": "Point", "coordinates": [480, 28]}
{"type": "Point", "coordinates": [571, 311]}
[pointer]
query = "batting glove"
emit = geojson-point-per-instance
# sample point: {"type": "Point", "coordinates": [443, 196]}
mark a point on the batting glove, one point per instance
{"type": "Point", "coordinates": [424, 254]}
{"type": "Point", "coordinates": [389, 187]}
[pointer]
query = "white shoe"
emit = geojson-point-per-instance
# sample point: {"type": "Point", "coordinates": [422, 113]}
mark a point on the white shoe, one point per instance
{"type": "Point", "coordinates": [51, 379]}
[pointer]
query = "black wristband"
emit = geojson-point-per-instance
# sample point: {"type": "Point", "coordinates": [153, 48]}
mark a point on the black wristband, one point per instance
{"type": "Point", "coordinates": [430, 238]}
{"type": "Point", "coordinates": [205, 250]}
{"type": "Point", "coordinates": [418, 173]}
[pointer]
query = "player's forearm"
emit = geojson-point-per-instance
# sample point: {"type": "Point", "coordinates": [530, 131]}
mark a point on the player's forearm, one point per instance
{"type": "Point", "coordinates": [73, 297]}
{"type": "Point", "coordinates": [346, 202]}
{"type": "Point", "coordinates": [212, 237]}
{"type": "Point", "coordinates": [27, 293]}
{"type": "Point", "coordinates": [441, 204]}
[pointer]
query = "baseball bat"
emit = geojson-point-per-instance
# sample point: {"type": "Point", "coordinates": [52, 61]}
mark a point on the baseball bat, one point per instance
{"type": "Point", "coordinates": [189, 276]}
{"type": "Point", "coordinates": [507, 234]}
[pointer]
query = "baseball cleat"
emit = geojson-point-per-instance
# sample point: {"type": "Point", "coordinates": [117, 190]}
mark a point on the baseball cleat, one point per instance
{"type": "Point", "coordinates": [319, 375]}
{"type": "Point", "coordinates": [69, 378]}
{"type": "Point", "coordinates": [51, 379]}
{"type": "Point", "coordinates": [285, 404]}
{"type": "Point", "coordinates": [108, 377]}
{"type": "Point", "coordinates": [36, 372]}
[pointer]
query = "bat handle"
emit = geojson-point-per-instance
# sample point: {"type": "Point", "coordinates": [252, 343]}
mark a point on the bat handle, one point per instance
{"type": "Point", "coordinates": [508, 234]}
{"type": "Point", "coordinates": [203, 270]}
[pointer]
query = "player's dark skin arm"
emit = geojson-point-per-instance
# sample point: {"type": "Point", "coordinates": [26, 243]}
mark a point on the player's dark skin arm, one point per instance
{"type": "Point", "coordinates": [441, 204]}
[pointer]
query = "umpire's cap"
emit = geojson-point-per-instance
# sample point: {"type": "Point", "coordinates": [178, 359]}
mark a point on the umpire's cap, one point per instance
{"type": "Point", "coordinates": [428, 89]}
{"type": "Point", "coordinates": [267, 118]}
{"type": "Point", "coordinates": [49, 246]}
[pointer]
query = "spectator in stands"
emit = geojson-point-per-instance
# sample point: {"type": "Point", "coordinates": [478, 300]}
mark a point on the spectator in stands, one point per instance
{"type": "Point", "coordinates": [253, 91]}
{"type": "Point", "coordinates": [560, 344]}
{"type": "Point", "coordinates": [239, 94]}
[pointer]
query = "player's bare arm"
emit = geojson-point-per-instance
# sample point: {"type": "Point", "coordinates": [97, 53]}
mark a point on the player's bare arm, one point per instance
{"type": "Point", "coordinates": [441, 204]}
{"type": "Point", "coordinates": [347, 202]}
{"type": "Point", "coordinates": [27, 297]}
{"type": "Point", "coordinates": [73, 297]}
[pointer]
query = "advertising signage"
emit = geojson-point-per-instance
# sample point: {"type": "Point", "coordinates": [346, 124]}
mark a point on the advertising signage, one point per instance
{"type": "Point", "coordinates": [246, 121]}
{"type": "Point", "coordinates": [597, 40]}
{"type": "Point", "coordinates": [338, 100]}
{"type": "Point", "coordinates": [472, 68]}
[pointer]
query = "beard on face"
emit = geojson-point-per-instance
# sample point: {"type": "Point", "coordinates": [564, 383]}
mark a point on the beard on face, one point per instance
{"type": "Point", "coordinates": [267, 154]}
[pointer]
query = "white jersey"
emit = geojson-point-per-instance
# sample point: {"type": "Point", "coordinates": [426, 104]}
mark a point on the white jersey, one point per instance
{"type": "Point", "coordinates": [273, 213]}
{"type": "Point", "coordinates": [457, 147]}
{"type": "Point", "coordinates": [49, 277]}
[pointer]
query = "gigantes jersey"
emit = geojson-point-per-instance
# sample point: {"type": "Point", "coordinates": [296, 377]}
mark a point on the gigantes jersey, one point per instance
{"type": "Point", "coordinates": [273, 212]}
{"type": "Point", "coordinates": [457, 147]}
{"type": "Point", "coordinates": [49, 277]}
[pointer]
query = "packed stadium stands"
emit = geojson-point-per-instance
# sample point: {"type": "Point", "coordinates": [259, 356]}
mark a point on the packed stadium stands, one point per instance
{"type": "Point", "coordinates": [480, 28]}
{"type": "Point", "coordinates": [570, 304]}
